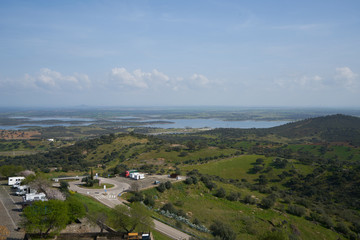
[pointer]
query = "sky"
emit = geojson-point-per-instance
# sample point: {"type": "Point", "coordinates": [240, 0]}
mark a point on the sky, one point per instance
{"type": "Point", "coordinates": [180, 53]}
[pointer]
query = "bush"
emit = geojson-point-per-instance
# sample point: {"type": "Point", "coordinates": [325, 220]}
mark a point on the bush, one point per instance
{"type": "Point", "coordinates": [137, 197]}
{"type": "Point", "coordinates": [249, 199]}
{"type": "Point", "coordinates": [220, 193]}
{"type": "Point", "coordinates": [168, 185]}
{"type": "Point", "coordinates": [189, 181]}
{"type": "Point", "coordinates": [149, 201]}
{"type": "Point", "coordinates": [233, 196]}
{"type": "Point", "coordinates": [267, 202]}
{"type": "Point", "coordinates": [342, 227]}
{"type": "Point", "coordinates": [161, 188]}
{"type": "Point", "coordinates": [296, 210]}
{"type": "Point", "coordinates": [169, 207]}
{"type": "Point", "coordinates": [223, 231]}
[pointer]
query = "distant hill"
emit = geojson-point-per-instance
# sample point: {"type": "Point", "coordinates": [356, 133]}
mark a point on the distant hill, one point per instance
{"type": "Point", "coordinates": [332, 128]}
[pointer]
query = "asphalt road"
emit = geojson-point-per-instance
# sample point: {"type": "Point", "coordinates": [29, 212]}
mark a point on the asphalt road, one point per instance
{"type": "Point", "coordinates": [10, 212]}
{"type": "Point", "coordinates": [110, 199]}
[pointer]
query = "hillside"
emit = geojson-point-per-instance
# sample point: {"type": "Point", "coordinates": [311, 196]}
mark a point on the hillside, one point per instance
{"type": "Point", "coordinates": [333, 128]}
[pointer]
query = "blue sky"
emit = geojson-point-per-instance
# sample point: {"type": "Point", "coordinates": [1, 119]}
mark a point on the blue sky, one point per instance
{"type": "Point", "coordinates": [180, 53]}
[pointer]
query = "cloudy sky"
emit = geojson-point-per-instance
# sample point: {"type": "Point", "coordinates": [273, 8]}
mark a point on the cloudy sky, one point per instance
{"type": "Point", "coordinates": [180, 53]}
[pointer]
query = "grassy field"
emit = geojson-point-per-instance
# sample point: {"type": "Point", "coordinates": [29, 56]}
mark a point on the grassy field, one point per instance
{"type": "Point", "coordinates": [248, 221]}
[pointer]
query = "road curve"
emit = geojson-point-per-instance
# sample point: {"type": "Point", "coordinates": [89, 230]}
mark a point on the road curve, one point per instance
{"type": "Point", "coordinates": [111, 200]}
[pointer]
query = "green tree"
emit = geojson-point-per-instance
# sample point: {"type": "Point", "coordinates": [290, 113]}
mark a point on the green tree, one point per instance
{"type": "Point", "coordinates": [76, 209]}
{"type": "Point", "coordinates": [222, 230]}
{"type": "Point", "coordinates": [43, 217]}
{"type": "Point", "coordinates": [10, 170]}
{"type": "Point", "coordinates": [64, 186]}
{"type": "Point", "coordinates": [137, 217]}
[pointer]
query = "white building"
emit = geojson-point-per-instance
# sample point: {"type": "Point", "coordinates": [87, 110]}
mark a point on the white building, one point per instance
{"type": "Point", "coordinates": [137, 175]}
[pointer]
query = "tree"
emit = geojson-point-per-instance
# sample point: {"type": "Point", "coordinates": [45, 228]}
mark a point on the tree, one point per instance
{"type": "Point", "coordinates": [64, 186]}
{"type": "Point", "coordinates": [76, 209]}
{"type": "Point", "coordinates": [267, 202]}
{"type": "Point", "coordinates": [161, 188]}
{"type": "Point", "coordinates": [137, 217]}
{"type": "Point", "coordinates": [233, 196]}
{"type": "Point", "coordinates": [168, 184]}
{"type": "Point", "coordinates": [10, 170]}
{"type": "Point", "coordinates": [296, 210]}
{"type": "Point", "coordinates": [220, 193]}
{"type": "Point", "coordinates": [222, 230]}
{"type": "Point", "coordinates": [43, 217]}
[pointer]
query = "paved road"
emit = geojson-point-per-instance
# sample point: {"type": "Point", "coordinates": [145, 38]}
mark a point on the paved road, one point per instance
{"type": "Point", "coordinates": [119, 187]}
{"type": "Point", "coordinates": [10, 212]}
{"type": "Point", "coordinates": [111, 200]}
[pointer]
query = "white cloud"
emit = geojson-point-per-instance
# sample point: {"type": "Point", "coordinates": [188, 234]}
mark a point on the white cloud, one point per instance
{"type": "Point", "coordinates": [155, 79]}
{"type": "Point", "coordinates": [346, 77]}
{"type": "Point", "coordinates": [123, 78]}
{"type": "Point", "coordinates": [199, 79]}
{"type": "Point", "coordinates": [138, 78]}
{"type": "Point", "coordinates": [52, 80]}
{"type": "Point", "coordinates": [306, 82]}
{"type": "Point", "coordinates": [49, 80]}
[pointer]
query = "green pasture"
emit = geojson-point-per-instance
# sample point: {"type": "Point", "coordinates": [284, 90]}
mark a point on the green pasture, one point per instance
{"type": "Point", "coordinates": [248, 221]}
{"type": "Point", "coordinates": [173, 156]}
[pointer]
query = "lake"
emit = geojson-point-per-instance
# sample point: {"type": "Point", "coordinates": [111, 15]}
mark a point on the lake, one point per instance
{"type": "Point", "coordinates": [176, 123]}
{"type": "Point", "coordinates": [214, 123]}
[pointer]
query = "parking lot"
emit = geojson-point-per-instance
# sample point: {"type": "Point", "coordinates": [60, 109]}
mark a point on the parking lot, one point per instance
{"type": "Point", "coordinates": [10, 211]}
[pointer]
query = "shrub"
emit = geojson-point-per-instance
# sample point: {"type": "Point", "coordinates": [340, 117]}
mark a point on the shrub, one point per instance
{"type": "Point", "coordinates": [296, 210]}
{"type": "Point", "coordinates": [161, 187]}
{"type": "Point", "coordinates": [267, 202]}
{"type": "Point", "coordinates": [169, 207]}
{"type": "Point", "coordinates": [233, 196]}
{"type": "Point", "coordinates": [189, 181]}
{"type": "Point", "coordinates": [137, 197]}
{"type": "Point", "coordinates": [168, 185]}
{"type": "Point", "coordinates": [149, 201]}
{"type": "Point", "coordinates": [225, 232]}
{"type": "Point", "coordinates": [220, 193]}
{"type": "Point", "coordinates": [249, 199]}
{"type": "Point", "coordinates": [342, 227]}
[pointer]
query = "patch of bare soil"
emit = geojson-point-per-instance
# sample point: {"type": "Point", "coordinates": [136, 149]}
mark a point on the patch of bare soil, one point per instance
{"type": "Point", "coordinates": [17, 134]}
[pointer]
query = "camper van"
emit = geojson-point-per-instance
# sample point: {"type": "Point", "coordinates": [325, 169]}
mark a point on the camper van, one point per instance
{"type": "Point", "coordinates": [15, 180]}
{"type": "Point", "coordinates": [34, 197]}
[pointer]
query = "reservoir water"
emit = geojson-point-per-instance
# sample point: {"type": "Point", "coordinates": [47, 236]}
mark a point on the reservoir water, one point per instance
{"type": "Point", "coordinates": [175, 123]}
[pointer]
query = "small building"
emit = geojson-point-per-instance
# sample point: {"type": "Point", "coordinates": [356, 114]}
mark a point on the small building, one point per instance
{"type": "Point", "coordinates": [127, 173]}
{"type": "Point", "coordinates": [15, 180]}
{"type": "Point", "coordinates": [137, 175]}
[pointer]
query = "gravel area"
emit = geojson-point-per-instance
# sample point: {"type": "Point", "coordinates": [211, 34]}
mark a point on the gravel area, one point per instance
{"type": "Point", "coordinates": [148, 181]}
